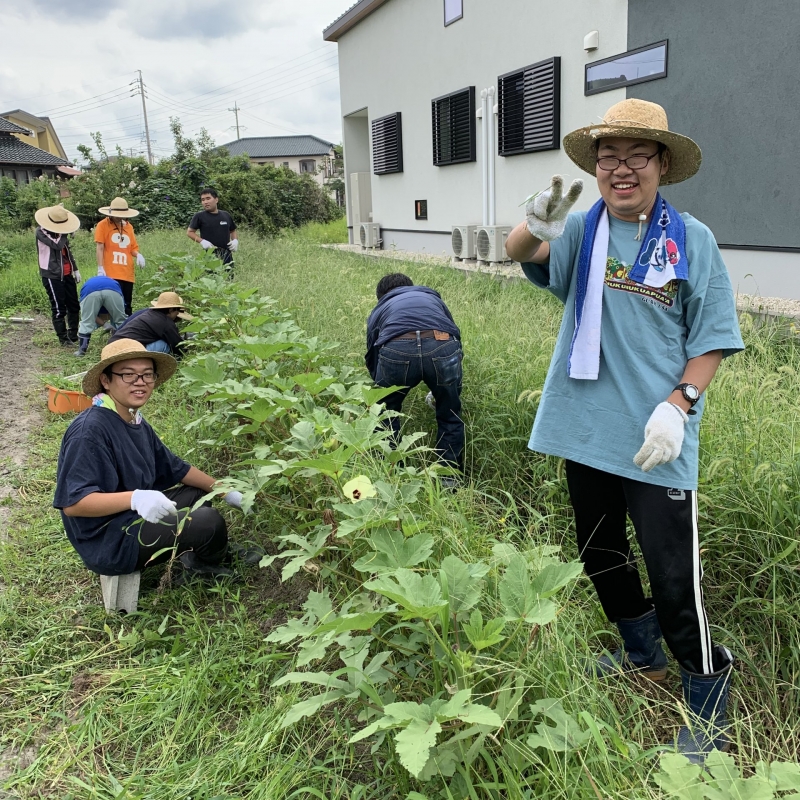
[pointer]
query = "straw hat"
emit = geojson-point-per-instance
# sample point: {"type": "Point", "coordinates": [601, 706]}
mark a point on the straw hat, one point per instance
{"type": "Point", "coordinates": [119, 208]}
{"type": "Point", "coordinates": [636, 119]}
{"type": "Point", "coordinates": [171, 300]}
{"type": "Point", "coordinates": [57, 219]}
{"type": "Point", "coordinates": [122, 350]}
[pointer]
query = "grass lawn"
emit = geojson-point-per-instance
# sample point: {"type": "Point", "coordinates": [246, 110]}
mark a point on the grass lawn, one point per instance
{"type": "Point", "coordinates": [176, 702]}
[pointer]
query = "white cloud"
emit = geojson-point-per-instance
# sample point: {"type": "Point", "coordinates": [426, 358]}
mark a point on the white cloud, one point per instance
{"type": "Point", "coordinates": [197, 57]}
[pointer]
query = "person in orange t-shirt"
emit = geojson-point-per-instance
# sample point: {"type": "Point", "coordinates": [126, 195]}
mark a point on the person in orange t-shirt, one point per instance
{"type": "Point", "coordinates": [117, 247]}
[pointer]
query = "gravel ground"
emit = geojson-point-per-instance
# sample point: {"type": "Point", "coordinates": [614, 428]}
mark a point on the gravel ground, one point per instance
{"type": "Point", "coordinates": [755, 304]}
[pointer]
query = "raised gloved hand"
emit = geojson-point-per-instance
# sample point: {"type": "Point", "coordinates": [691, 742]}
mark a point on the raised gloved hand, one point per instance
{"type": "Point", "coordinates": [152, 506]}
{"type": "Point", "coordinates": [546, 212]}
{"type": "Point", "coordinates": [77, 275]}
{"type": "Point", "coordinates": [101, 271]}
{"type": "Point", "coordinates": [233, 245]}
{"type": "Point", "coordinates": [663, 436]}
{"type": "Point", "coordinates": [140, 262]}
{"type": "Point", "coordinates": [205, 244]}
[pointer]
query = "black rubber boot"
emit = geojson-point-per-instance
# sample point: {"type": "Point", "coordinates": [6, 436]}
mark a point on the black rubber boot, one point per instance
{"type": "Point", "coordinates": [196, 568]}
{"type": "Point", "coordinates": [238, 553]}
{"type": "Point", "coordinates": [84, 340]}
{"type": "Point", "coordinates": [60, 327]}
{"type": "Point", "coordinates": [706, 697]}
{"type": "Point", "coordinates": [641, 650]}
{"type": "Point", "coordinates": [73, 321]}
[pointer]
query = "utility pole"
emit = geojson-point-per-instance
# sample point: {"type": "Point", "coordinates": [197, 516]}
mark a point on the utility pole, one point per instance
{"type": "Point", "coordinates": [236, 111]}
{"type": "Point", "coordinates": [140, 90]}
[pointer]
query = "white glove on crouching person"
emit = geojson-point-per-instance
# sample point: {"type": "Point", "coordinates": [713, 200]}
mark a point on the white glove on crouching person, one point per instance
{"type": "Point", "coordinates": [140, 262]}
{"type": "Point", "coordinates": [663, 436]}
{"type": "Point", "coordinates": [152, 506]}
{"type": "Point", "coordinates": [233, 245]}
{"type": "Point", "coordinates": [546, 212]}
{"type": "Point", "coordinates": [234, 500]}
{"type": "Point", "coordinates": [205, 244]}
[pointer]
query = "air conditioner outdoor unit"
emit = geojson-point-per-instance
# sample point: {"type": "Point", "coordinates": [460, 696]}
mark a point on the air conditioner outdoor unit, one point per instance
{"type": "Point", "coordinates": [369, 234]}
{"type": "Point", "coordinates": [463, 241]}
{"type": "Point", "coordinates": [491, 242]}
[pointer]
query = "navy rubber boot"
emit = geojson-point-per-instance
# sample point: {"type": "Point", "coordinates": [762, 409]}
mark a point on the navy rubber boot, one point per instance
{"type": "Point", "coordinates": [641, 650]}
{"type": "Point", "coordinates": [84, 346]}
{"type": "Point", "coordinates": [706, 697]}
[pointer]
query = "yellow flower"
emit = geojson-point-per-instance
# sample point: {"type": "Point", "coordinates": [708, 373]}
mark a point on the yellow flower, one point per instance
{"type": "Point", "coordinates": [359, 488]}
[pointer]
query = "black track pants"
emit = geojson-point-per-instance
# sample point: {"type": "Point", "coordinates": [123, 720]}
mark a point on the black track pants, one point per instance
{"type": "Point", "coordinates": [204, 532]}
{"type": "Point", "coordinates": [127, 294]}
{"type": "Point", "coordinates": [65, 308]}
{"type": "Point", "coordinates": [665, 521]}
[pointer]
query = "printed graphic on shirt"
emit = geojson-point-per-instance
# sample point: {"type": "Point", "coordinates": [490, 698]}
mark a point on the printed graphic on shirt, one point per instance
{"type": "Point", "coordinates": [617, 278]}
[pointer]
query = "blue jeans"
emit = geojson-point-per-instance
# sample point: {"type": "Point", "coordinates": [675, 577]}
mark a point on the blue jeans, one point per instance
{"type": "Point", "coordinates": [408, 362]}
{"type": "Point", "coordinates": [159, 346]}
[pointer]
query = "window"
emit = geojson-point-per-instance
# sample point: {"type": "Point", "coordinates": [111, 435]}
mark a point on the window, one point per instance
{"type": "Point", "coordinates": [285, 164]}
{"type": "Point", "coordinates": [387, 144]}
{"type": "Point", "coordinates": [420, 209]}
{"type": "Point", "coordinates": [453, 11]}
{"type": "Point", "coordinates": [308, 165]}
{"type": "Point", "coordinates": [454, 127]}
{"type": "Point", "coordinates": [529, 109]}
{"type": "Point", "coordinates": [636, 66]}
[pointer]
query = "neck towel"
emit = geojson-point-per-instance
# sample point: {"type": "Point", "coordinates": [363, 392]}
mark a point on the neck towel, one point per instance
{"type": "Point", "coordinates": [661, 259]}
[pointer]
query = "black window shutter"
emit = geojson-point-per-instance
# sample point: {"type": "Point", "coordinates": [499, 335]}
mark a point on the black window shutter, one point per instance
{"type": "Point", "coordinates": [387, 144]}
{"type": "Point", "coordinates": [453, 127]}
{"type": "Point", "coordinates": [529, 108]}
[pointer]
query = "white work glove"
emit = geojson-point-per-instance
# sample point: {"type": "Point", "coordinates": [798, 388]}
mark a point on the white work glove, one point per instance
{"type": "Point", "coordinates": [152, 506]}
{"type": "Point", "coordinates": [140, 262]}
{"type": "Point", "coordinates": [77, 275]}
{"type": "Point", "coordinates": [234, 499]}
{"type": "Point", "coordinates": [546, 212]}
{"type": "Point", "coordinates": [429, 399]}
{"type": "Point", "coordinates": [663, 436]}
{"type": "Point", "coordinates": [101, 271]}
{"type": "Point", "coordinates": [233, 245]}
{"type": "Point", "coordinates": [205, 244]}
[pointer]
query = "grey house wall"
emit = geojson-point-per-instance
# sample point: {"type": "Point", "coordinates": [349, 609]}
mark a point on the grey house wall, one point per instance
{"type": "Point", "coordinates": [732, 86]}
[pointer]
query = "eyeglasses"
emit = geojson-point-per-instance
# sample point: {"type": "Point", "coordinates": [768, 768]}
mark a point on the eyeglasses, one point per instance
{"type": "Point", "coordinates": [610, 163]}
{"type": "Point", "coordinates": [133, 377]}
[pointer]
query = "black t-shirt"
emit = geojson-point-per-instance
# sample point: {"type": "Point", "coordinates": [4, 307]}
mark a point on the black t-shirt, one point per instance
{"type": "Point", "coordinates": [149, 326]}
{"type": "Point", "coordinates": [215, 228]}
{"type": "Point", "coordinates": [100, 452]}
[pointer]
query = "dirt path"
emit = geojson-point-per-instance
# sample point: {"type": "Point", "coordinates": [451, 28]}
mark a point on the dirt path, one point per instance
{"type": "Point", "coordinates": [19, 362]}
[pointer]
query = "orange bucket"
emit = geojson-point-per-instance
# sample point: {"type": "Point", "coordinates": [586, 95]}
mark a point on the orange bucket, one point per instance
{"type": "Point", "coordinates": [65, 401]}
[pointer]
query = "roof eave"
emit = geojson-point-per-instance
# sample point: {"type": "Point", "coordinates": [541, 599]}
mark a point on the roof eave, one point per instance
{"type": "Point", "coordinates": [350, 19]}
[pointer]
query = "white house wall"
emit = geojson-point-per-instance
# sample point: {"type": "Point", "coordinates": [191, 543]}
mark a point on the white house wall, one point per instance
{"type": "Point", "coordinates": [401, 57]}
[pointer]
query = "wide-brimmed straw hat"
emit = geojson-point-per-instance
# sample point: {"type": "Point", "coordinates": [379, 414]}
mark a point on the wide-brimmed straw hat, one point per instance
{"type": "Point", "coordinates": [171, 300]}
{"type": "Point", "coordinates": [123, 350]}
{"type": "Point", "coordinates": [635, 119]}
{"type": "Point", "coordinates": [57, 219]}
{"type": "Point", "coordinates": [119, 208]}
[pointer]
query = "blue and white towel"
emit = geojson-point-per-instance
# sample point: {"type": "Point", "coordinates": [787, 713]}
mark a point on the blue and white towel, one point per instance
{"type": "Point", "coordinates": [661, 259]}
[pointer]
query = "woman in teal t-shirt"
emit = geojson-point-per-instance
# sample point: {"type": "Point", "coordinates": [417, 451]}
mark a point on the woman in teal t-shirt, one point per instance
{"type": "Point", "coordinates": [650, 315]}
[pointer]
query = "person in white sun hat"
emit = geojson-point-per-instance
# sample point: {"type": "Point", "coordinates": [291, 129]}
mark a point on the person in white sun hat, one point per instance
{"type": "Point", "coordinates": [650, 315]}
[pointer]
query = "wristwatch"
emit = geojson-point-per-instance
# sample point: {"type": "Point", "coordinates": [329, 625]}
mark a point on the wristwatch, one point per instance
{"type": "Point", "coordinates": [691, 394]}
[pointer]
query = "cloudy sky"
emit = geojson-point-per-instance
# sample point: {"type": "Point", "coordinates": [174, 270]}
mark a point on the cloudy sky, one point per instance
{"type": "Point", "coordinates": [74, 61]}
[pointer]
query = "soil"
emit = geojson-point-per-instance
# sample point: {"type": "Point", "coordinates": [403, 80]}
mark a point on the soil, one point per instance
{"type": "Point", "coordinates": [19, 416]}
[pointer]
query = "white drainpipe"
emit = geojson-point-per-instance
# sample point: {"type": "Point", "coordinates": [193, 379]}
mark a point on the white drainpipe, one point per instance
{"type": "Point", "coordinates": [490, 148]}
{"type": "Point", "coordinates": [484, 115]}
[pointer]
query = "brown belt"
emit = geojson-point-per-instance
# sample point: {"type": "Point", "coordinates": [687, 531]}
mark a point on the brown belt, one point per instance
{"type": "Point", "coordinates": [440, 335]}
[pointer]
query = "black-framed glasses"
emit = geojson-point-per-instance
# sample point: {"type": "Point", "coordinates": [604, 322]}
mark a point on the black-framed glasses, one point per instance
{"type": "Point", "coordinates": [133, 377]}
{"type": "Point", "coordinates": [610, 163]}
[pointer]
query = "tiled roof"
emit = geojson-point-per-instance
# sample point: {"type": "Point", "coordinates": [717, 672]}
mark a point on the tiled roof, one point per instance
{"type": "Point", "coordinates": [13, 151]}
{"type": "Point", "coordinates": [350, 18]}
{"type": "Point", "coordinates": [278, 146]}
{"type": "Point", "coordinates": [6, 126]}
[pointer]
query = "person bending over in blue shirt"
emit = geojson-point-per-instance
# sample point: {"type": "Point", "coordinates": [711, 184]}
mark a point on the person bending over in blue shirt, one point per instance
{"type": "Point", "coordinates": [124, 497]}
{"type": "Point", "coordinates": [99, 295]}
{"type": "Point", "coordinates": [650, 314]}
{"type": "Point", "coordinates": [412, 338]}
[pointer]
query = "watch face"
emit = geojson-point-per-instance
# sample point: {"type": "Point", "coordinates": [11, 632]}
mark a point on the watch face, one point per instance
{"type": "Point", "coordinates": [691, 392]}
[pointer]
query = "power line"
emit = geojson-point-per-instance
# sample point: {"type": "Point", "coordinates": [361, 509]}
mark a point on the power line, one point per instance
{"type": "Point", "coordinates": [85, 100]}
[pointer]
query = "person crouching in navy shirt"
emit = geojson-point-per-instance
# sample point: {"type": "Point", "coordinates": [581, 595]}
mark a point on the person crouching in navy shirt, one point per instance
{"type": "Point", "coordinates": [411, 339]}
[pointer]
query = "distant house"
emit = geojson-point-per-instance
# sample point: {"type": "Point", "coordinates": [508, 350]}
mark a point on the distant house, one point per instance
{"type": "Point", "coordinates": [29, 148]}
{"type": "Point", "coordinates": [302, 154]}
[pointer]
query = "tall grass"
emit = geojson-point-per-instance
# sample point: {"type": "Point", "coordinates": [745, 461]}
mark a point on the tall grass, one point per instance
{"type": "Point", "coordinates": [175, 702]}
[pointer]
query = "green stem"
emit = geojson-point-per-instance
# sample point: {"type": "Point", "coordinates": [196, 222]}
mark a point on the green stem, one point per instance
{"type": "Point", "coordinates": [508, 640]}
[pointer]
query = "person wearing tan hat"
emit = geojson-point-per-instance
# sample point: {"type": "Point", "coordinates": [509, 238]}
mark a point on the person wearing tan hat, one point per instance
{"type": "Point", "coordinates": [58, 270]}
{"type": "Point", "coordinates": [650, 315]}
{"type": "Point", "coordinates": [117, 248]}
{"type": "Point", "coordinates": [116, 480]}
{"type": "Point", "coordinates": [156, 327]}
